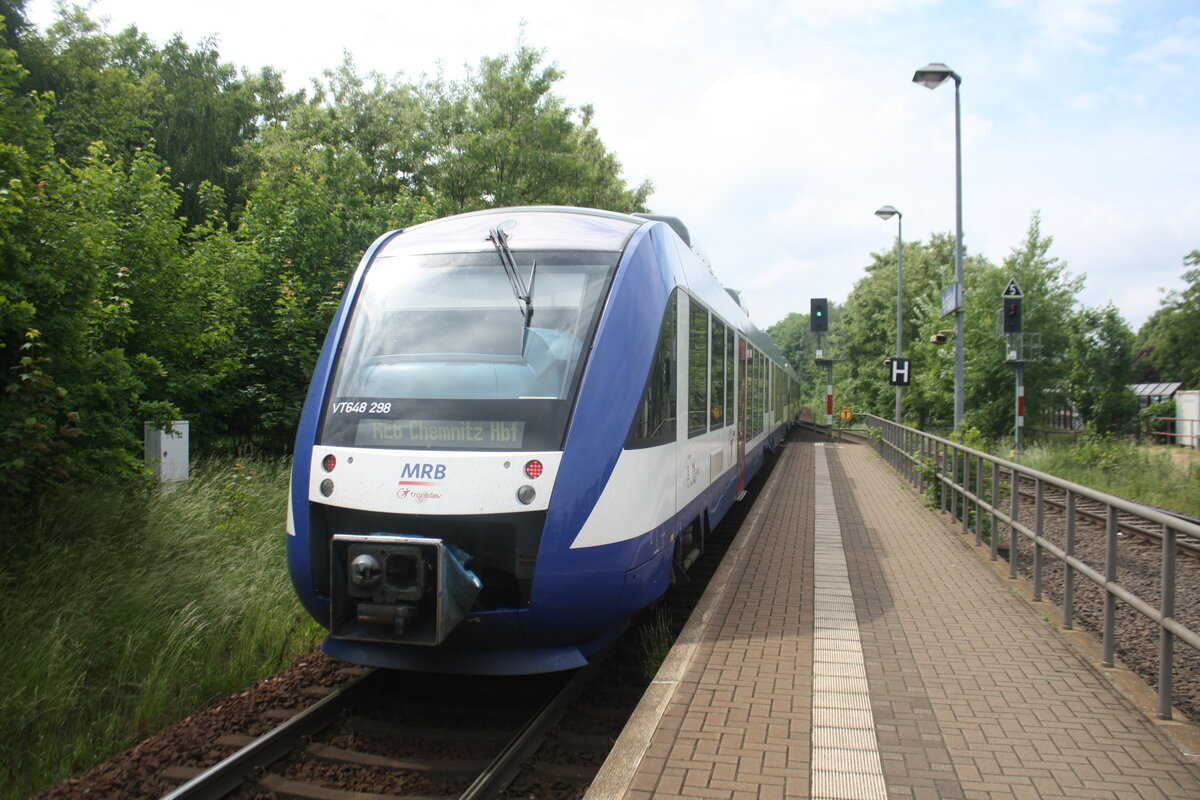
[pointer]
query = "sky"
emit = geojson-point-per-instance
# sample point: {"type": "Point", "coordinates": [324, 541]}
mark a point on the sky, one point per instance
{"type": "Point", "coordinates": [774, 130]}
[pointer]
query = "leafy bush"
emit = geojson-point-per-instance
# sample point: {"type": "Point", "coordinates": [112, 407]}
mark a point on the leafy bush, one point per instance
{"type": "Point", "coordinates": [1147, 421]}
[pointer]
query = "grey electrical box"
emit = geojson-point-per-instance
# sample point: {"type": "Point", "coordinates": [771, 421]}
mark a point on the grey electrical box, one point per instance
{"type": "Point", "coordinates": [167, 451]}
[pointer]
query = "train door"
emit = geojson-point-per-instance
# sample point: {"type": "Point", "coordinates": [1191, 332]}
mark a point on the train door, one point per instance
{"type": "Point", "coordinates": [742, 363]}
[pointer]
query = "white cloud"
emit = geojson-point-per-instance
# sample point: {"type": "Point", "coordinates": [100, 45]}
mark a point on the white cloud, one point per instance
{"type": "Point", "coordinates": [1173, 54]}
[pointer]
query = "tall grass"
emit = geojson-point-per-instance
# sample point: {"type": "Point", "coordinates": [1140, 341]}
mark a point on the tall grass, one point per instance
{"type": "Point", "coordinates": [654, 641]}
{"type": "Point", "coordinates": [125, 610]}
{"type": "Point", "coordinates": [1144, 474]}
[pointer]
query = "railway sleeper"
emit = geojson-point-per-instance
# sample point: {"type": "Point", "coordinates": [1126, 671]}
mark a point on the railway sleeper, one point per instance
{"type": "Point", "coordinates": [340, 755]}
{"type": "Point", "coordinates": [288, 789]}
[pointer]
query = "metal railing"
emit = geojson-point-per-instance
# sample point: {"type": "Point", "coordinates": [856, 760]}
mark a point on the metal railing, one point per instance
{"type": "Point", "coordinates": [977, 489]}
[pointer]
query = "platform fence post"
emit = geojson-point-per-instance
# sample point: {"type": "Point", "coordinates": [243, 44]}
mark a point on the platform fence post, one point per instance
{"type": "Point", "coordinates": [978, 501]}
{"type": "Point", "coordinates": [953, 483]}
{"type": "Point", "coordinates": [1014, 544]}
{"type": "Point", "coordinates": [994, 533]}
{"type": "Point", "coordinates": [1068, 570]}
{"type": "Point", "coordinates": [965, 488]}
{"type": "Point", "coordinates": [940, 474]}
{"type": "Point", "coordinates": [1110, 599]}
{"type": "Point", "coordinates": [1166, 642]}
{"type": "Point", "coordinates": [1040, 530]}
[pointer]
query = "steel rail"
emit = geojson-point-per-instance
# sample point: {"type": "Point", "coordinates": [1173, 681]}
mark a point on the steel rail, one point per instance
{"type": "Point", "coordinates": [225, 776]}
{"type": "Point", "coordinates": [1189, 545]}
{"type": "Point", "coordinates": [525, 742]}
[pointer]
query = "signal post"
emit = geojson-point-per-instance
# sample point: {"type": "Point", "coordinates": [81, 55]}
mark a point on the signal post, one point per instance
{"type": "Point", "coordinates": [1014, 347]}
{"type": "Point", "coordinates": [818, 323]}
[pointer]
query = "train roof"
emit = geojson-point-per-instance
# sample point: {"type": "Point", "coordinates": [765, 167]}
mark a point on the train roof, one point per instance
{"type": "Point", "coordinates": [558, 228]}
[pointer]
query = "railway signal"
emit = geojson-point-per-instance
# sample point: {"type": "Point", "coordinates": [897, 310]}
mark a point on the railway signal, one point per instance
{"type": "Point", "coordinates": [1012, 315]}
{"type": "Point", "coordinates": [818, 317]}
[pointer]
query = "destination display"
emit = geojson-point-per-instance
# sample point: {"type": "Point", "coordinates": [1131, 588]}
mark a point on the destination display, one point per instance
{"type": "Point", "coordinates": [440, 433]}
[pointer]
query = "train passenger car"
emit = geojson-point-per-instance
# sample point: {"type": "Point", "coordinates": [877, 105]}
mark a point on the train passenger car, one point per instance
{"type": "Point", "coordinates": [522, 425]}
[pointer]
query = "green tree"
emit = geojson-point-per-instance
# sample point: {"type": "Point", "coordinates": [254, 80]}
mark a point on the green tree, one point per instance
{"type": "Point", "coordinates": [1172, 334]}
{"type": "Point", "coordinates": [310, 215]}
{"type": "Point", "coordinates": [208, 113]}
{"type": "Point", "coordinates": [175, 236]}
{"type": "Point", "coordinates": [502, 137]}
{"type": "Point", "coordinates": [37, 425]}
{"type": "Point", "coordinates": [1101, 369]}
{"type": "Point", "coordinates": [1050, 298]}
{"type": "Point", "coordinates": [869, 322]}
{"type": "Point", "coordinates": [101, 88]}
{"type": "Point", "coordinates": [793, 337]}
{"type": "Point", "coordinates": [182, 102]}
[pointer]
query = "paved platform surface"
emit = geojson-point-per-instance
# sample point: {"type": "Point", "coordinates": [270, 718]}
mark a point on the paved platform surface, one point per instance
{"type": "Point", "coordinates": [852, 646]}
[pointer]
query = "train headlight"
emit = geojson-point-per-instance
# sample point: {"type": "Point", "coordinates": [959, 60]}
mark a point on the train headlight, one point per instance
{"type": "Point", "coordinates": [365, 571]}
{"type": "Point", "coordinates": [327, 487]}
{"type": "Point", "coordinates": [526, 494]}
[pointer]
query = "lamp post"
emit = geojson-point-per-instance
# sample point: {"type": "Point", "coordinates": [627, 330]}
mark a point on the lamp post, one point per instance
{"type": "Point", "coordinates": [932, 76]}
{"type": "Point", "coordinates": [886, 213]}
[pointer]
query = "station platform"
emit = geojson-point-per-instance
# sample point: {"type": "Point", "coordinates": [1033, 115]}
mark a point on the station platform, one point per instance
{"type": "Point", "coordinates": [854, 646]}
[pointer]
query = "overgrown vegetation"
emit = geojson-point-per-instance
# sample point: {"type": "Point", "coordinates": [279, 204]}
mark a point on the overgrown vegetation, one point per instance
{"type": "Point", "coordinates": [125, 610]}
{"type": "Point", "coordinates": [1153, 475]}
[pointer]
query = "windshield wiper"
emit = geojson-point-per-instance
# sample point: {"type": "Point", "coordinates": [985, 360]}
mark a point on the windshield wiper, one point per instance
{"type": "Point", "coordinates": [523, 293]}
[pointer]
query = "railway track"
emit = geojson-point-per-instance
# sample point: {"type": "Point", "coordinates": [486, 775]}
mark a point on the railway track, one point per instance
{"type": "Point", "coordinates": [1096, 512]}
{"type": "Point", "coordinates": [460, 738]}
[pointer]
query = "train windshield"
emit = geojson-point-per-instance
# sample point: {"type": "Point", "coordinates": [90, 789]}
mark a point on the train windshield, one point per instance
{"type": "Point", "coordinates": [440, 354]}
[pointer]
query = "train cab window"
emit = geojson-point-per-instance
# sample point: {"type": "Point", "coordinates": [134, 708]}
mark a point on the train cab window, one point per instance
{"type": "Point", "coordinates": [654, 423]}
{"type": "Point", "coordinates": [697, 370]}
{"type": "Point", "coordinates": [438, 343]}
{"type": "Point", "coordinates": [717, 375]}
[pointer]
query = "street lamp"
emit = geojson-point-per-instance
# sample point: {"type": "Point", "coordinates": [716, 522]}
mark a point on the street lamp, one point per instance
{"type": "Point", "coordinates": [932, 76]}
{"type": "Point", "coordinates": [886, 213]}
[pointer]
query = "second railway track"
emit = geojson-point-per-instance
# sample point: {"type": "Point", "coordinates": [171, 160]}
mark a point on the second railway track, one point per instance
{"type": "Point", "coordinates": [1095, 512]}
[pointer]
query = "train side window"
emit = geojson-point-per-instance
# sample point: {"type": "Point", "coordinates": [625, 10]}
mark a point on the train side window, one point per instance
{"type": "Point", "coordinates": [654, 423]}
{"type": "Point", "coordinates": [697, 370]}
{"type": "Point", "coordinates": [729, 351]}
{"type": "Point", "coordinates": [774, 394]}
{"type": "Point", "coordinates": [752, 394]}
{"type": "Point", "coordinates": [717, 376]}
{"type": "Point", "coordinates": [756, 388]}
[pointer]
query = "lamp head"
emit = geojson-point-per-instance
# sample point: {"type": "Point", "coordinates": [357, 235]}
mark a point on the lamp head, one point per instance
{"type": "Point", "coordinates": [934, 75]}
{"type": "Point", "coordinates": [887, 212]}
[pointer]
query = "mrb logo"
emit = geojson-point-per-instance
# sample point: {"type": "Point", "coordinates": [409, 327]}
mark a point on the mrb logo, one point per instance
{"type": "Point", "coordinates": [416, 473]}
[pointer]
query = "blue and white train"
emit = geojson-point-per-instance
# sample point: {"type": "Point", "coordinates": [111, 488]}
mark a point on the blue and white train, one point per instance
{"type": "Point", "coordinates": [522, 426]}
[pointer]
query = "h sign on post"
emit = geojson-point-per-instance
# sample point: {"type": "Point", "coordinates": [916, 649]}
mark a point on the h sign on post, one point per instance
{"type": "Point", "coordinates": [901, 372]}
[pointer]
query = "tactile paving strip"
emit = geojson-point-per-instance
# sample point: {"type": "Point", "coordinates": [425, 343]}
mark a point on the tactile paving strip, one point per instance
{"type": "Point", "coordinates": [845, 752]}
